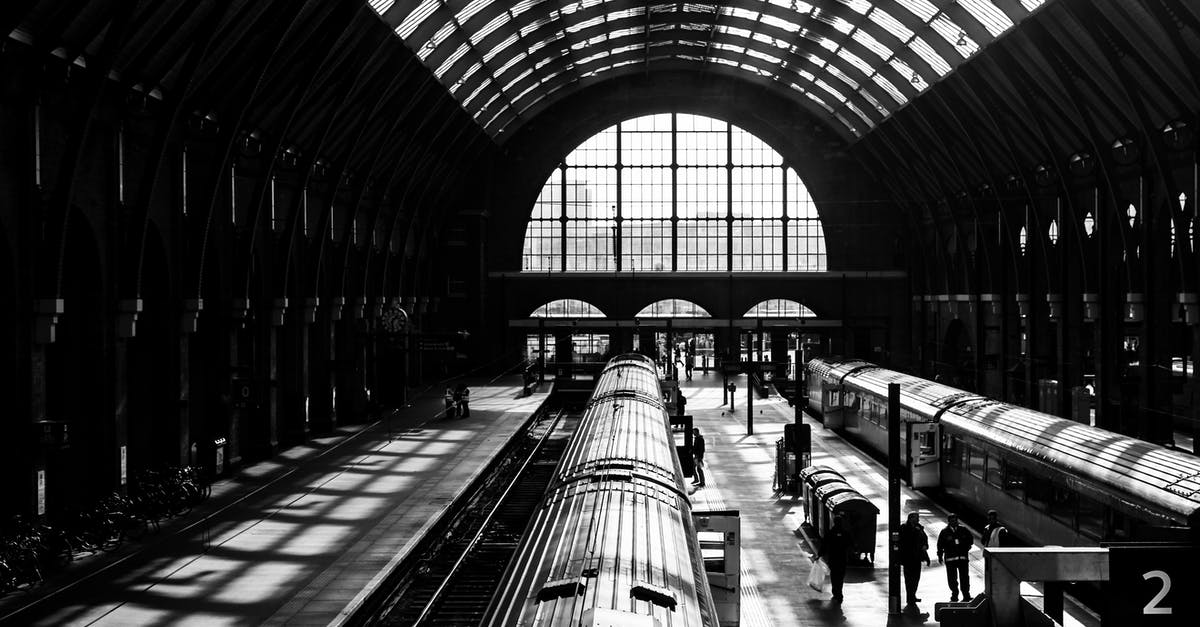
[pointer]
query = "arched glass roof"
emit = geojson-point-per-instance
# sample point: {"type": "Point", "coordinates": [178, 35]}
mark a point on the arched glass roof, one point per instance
{"type": "Point", "coordinates": [855, 61]}
{"type": "Point", "coordinates": [672, 308]}
{"type": "Point", "coordinates": [780, 308]}
{"type": "Point", "coordinates": [567, 308]}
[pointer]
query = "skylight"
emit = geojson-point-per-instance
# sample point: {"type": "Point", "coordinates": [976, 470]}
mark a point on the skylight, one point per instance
{"type": "Point", "coordinates": [469, 44]}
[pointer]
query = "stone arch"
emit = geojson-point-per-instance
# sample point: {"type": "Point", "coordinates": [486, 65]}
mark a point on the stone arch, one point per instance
{"type": "Point", "coordinates": [78, 378]}
{"type": "Point", "coordinates": [155, 434]}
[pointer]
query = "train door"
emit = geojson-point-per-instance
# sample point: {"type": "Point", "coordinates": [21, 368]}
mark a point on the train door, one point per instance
{"type": "Point", "coordinates": [924, 471]}
{"type": "Point", "coordinates": [721, 547]}
{"type": "Point", "coordinates": [831, 405]}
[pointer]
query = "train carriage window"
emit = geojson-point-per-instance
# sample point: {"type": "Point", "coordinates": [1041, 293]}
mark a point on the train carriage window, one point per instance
{"type": "Point", "coordinates": [1091, 517]}
{"type": "Point", "coordinates": [1014, 481]}
{"type": "Point", "coordinates": [1037, 490]}
{"type": "Point", "coordinates": [1062, 505]}
{"type": "Point", "coordinates": [952, 450]}
{"type": "Point", "coordinates": [977, 462]}
{"type": "Point", "coordinates": [995, 471]}
{"type": "Point", "coordinates": [1119, 525]}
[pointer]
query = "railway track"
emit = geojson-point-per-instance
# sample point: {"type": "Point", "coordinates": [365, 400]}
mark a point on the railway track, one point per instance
{"type": "Point", "coordinates": [451, 577]}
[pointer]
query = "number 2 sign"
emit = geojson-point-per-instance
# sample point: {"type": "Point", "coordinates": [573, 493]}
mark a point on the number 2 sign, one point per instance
{"type": "Point", "coordinates": [1151, 585]}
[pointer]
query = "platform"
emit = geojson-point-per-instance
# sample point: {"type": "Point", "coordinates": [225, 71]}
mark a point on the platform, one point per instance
{"type": "Point", "coordinates": [775, 557]}
{"type": "Point", "coordinates": [299, 539]}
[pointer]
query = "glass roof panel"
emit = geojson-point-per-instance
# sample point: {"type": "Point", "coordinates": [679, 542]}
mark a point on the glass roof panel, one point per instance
{"type": "Point", "coordinates": [925, 51]}
{"type": "Point", "coordinates": [381, 6]}
{"type": "Point", "coordinates": [856, 61]}
{"type": "Point", "coordinates": [840, 75]}
{"type": "Point", "coordinates": [469, 11]}
{"type": "Point", "coordinates": [859, 112]}
{"type": "Point", "coordinates": [917, 81]}
{"type": "Point", "coordinates": [778, 22]}
{"type": "Point", "coordinates": [451, 60]}
{"type": "Point", "coordinates": [872, 44]}
{"type": "Point", "coordinates": [508, 41]}
{"type": "Point", "coordinates": [992, 18]}
{"type": "Point", "coordinates": [874, 103]}
{"type": "Point", "coordinates": [497, 22]}
{"type": "Point", "coordinates": [817, 99]}
{"type": "Point", "coordinates": [954, 35]}
{"type": "Point", "coordinates": [416, 18]}
{"type": "Point", "coordinates": [858, 6]}
{"type": "Point", "coordinates": [537, 47]}
{"type": "Point", "coordinates": [889, 88]}
{"type": "Point", "coordinates": [890, 24]}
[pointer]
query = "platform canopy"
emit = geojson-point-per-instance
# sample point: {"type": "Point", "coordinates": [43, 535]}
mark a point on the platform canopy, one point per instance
{"type": "Point", "coordinates": [855, 62]}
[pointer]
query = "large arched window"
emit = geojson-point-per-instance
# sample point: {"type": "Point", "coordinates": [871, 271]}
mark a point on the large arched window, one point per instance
{"type": "Point", "coordinates": [567, 308]}
{"type": "Point", "coordinates": [672, 308]}
{"type": "Point", "coordinates": [779, 308]}
{"type": "Point", "coordinates": [674, 192]}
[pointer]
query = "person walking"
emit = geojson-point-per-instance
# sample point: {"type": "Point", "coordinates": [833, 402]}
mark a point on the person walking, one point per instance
{"type": "Point", "coordinates": [994, 533]}
{"type": "Point", "coordinates": [698, 457]}
{"type": "Point", "coordinates": [954, 542]}
{"type": "Point", "coordinates": [914, 549]}
{"type": "Point", "coordinates": [835, 548]}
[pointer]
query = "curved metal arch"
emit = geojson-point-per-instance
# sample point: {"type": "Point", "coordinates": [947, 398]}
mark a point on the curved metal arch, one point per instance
{"type": "Point", "coordinates": [630, 24]}
{"type": "Point", "coordinates": [473, 46]}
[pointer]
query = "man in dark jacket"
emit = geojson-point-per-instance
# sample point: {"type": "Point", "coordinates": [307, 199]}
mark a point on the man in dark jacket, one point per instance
{"type": "Point", "coordinates": [994, 533]}
{"type": "Point", "coordinates": [914, 549]}
{"type": "Point", "coordinates": [952, 546]}
{"type": "Point", "coordinates": [698, 457]}
{"type": "Point", "coordinates": [835, 548]}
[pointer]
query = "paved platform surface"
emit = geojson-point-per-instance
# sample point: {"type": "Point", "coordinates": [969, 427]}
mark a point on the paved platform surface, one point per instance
{"type": "Point", "coordinates": [775, 557]}
{"type": "Point", "coordinates": [300, 546]}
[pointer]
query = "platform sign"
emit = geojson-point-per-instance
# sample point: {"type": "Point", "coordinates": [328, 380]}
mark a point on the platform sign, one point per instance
{"type": "Point", "coordinates": [1152, 585]}
{"type": "Point", "coordinates": [41, 492]}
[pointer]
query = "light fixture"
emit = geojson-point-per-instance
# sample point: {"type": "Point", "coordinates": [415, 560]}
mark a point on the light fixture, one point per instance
{"type": "Point", "coordinates": [962, 38]}
{"type": "Point", "coordinates": [431, 44]}
{"type": "Point", "coordinates": [916, 79]}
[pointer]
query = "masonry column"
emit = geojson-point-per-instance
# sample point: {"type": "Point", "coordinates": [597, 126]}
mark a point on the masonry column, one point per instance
{"type": "Point", "coordinates": [188, 324]}
{"type": "Point", "coordinates": [45, 322]}
{"type": "Point", "coordinates": [127, 315]}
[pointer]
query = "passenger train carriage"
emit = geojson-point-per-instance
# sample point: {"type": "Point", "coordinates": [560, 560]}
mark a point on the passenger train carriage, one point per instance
{"type": "Point", "coordinates": [614, 541]}
{"type": "Point", "coordinates": [1053, 480]}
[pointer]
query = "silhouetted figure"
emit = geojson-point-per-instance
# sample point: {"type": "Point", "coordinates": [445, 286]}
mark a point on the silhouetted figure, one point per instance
{"type": "Point", "coordinates": [952, 547]}
{"type": "Point", "coordinates": [914, 549]}
{"type": "Point", "coordinates": [994, 533]}
{"type": "Point", "coordinates": [835, 548]}
{"type": "Point", "coordinates": [698, 457]}
{"type": "Point", "coordinates": [462, 399]}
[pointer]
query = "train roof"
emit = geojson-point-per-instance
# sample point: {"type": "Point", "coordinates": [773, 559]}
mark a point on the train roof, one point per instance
{"type": "Point", "coordinates": [835, 368]}
{"type": "Point", "coordinates": [628, 379]}
{"type": "Point", "coordinates": [921, 396]}
{"type": "Point", "coordinates": [1151, 473]}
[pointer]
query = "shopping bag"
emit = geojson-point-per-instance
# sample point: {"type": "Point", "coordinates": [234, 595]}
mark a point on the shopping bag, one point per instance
{"type": "Point", "coordinates": [818, 575]}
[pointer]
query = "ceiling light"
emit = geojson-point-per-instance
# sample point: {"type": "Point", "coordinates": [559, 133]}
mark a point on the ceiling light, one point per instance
{"type": "Point", "coordinates": [962, 38]}
{"type": "Point", "coordinates": [916, 79]}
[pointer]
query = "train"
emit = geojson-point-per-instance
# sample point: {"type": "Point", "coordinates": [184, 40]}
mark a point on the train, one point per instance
{"type": "Point", "coordinates": [1052, 481]}
{"type": "Point", "coordinates": [613, 541]}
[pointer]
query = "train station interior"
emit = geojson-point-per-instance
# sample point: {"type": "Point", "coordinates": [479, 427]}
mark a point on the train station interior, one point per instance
{"type": "Point", "coordinates": [286, 285]}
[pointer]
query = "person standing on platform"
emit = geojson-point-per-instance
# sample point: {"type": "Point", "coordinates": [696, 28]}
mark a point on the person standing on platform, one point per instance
{"type": "Point", "coordinates": [914, 549]}
{"type": "Point", "coordinates": [449, 400]}
{"type": "Point", "coordinates": [698, 457]}
{"type": "Point", "coordinates": [462, 398]}
{"type": "Point", "coordinates": [690, 364]}
{"type": "Point", "coordinates": [835, 548]}
{"type": "Point", "coordinates": [994, 533]}
{"type": "Point", "coordinates": [680, 404]}
{"type": "Point", "coordinates": [954, 542]}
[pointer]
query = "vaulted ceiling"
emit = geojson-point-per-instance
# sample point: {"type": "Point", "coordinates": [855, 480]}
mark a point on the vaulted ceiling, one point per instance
{"type": "Point", "coordinates": [854, 62]}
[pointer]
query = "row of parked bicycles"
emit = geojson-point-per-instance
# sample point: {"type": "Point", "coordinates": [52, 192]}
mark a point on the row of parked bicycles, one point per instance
{"type": "Point", "coordinates": [31, 548]}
